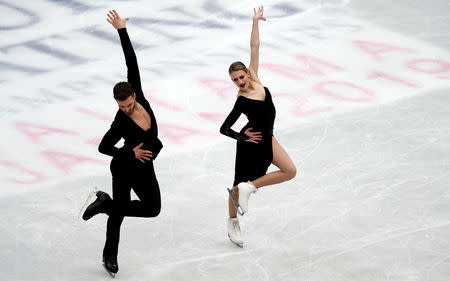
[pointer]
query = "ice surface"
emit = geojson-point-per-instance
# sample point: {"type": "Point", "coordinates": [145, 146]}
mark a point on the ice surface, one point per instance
{"type": "Point", "coordinates": [365, 119]}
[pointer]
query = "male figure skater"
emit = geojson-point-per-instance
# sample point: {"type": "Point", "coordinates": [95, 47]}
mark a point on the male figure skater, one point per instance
{"type": "Point", "coordinates": [132, 164]}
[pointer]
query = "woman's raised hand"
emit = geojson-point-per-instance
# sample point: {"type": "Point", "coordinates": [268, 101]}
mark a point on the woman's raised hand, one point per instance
{"type": "Point", "coordinates": [259, 14]}
{"type": "Point", "coordinates": [115, 20]}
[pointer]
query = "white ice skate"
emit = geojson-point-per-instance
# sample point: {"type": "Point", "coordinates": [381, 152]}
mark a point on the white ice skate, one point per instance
{"type": "Point", "coordinates": [234, 231]}
{"type": "Point", "coordinates": [245, 189]}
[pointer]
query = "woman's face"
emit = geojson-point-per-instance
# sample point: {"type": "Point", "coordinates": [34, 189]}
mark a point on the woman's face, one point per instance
{"type": "Point", "coordinates": [241, 79]}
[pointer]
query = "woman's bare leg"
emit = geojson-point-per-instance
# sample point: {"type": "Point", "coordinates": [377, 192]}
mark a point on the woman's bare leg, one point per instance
{"type": "Point", "coordinates": [231, 209]}
{"type": "Point", "coordinates": [287, 171]}
{"type": "Point", "coordinates": [282, 160]}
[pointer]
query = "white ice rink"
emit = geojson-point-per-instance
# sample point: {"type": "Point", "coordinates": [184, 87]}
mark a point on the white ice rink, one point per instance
{"type": "Point", "coordinates": [362, 91]}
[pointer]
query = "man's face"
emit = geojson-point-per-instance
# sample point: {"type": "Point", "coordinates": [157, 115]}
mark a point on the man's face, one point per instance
{"type": "Point", "coordinates": [128, 105]}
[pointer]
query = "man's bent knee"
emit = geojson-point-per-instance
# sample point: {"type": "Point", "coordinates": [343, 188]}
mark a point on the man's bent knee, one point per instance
{"type": "Point", "coordinates": [152, 212]}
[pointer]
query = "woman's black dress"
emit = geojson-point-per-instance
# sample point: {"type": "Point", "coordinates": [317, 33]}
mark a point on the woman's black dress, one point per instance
{"type": "Point", "coordinates": [252, 160]}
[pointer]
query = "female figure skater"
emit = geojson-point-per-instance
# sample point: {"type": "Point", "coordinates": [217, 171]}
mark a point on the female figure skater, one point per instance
{"type": "Point", "coordinates": [256, 146]}
{"type": "Point", "coordinates": [132, 164]}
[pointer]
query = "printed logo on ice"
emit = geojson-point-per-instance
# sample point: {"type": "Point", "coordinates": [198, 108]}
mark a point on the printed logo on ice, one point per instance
{"type": "Point", "coordinates": [58, 74]}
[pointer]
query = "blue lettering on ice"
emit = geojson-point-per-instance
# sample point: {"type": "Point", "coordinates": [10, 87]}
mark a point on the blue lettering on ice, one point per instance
{"type": "Point", "coordinates": [287, 9]}
{"type": "Point", "coordinates": [7, 66]}
{"type": "Point", "coordinates": [8, 110]}
{"type": "Point", "coordinates": [107, 36]}
{"type": "Point", "coordinates": [212, 8]}
{"type": "Point", "coordinates": [45, 97]}
{"type": "Point", "coordinates": [79, 86]}
{"type": "Point", "coordinates": [212, 24]}
{"type": "Point", "coordinates": [63, 55]}
{"type": "Point", "coordinates": [181, 11]}
{"type": "Point", "coordinates": [111, 37]}
{"type": "Point", "coordinates": [74, 5]}
{"type": "Point", "coordinates": [32, 18]}
{"type": "Point", "coordinates": [38, 46]}
{"type": "Point", "coordinates": [154, 26]}
{"type": "Point", "coordinates": [347, 28]}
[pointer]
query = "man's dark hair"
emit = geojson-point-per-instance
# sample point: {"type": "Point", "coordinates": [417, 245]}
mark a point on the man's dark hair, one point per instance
{"type": "Point", "coordinates": [122, 91]}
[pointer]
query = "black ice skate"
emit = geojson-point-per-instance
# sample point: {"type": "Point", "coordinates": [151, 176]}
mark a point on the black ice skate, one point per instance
{"type": "Point", "coordinates": [236, 204]}
{"type": "Point", "coordinates": [110, 265]}
{"type": "Point", "coordinates": [98, 206]}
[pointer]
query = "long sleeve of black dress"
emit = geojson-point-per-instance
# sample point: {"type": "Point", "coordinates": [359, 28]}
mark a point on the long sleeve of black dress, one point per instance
{"type": "Point", "coordinates": [226, 130]}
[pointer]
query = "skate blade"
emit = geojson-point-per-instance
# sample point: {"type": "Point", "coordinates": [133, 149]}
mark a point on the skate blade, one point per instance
{"type": "Point", "coordinates": [240, 245]}
{"type": "Point", "coordinates": [113, 275]}
{"type": "Point", "coordinates": [85, 205]}
{"type": "Point", "coordinates": [236, 204]}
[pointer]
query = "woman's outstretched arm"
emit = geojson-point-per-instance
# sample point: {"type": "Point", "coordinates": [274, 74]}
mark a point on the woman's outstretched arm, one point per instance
{"type": "Point", "coordinates": [254, 40]}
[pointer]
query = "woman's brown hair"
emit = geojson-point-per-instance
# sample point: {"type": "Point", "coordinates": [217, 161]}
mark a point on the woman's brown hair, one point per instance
{"type": "Point", "coordinates": [236, 66]}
